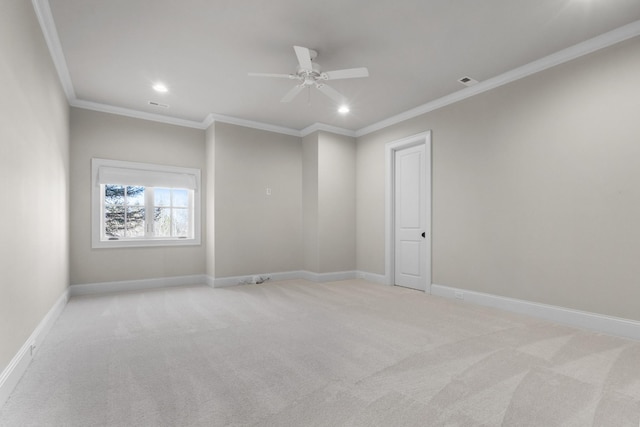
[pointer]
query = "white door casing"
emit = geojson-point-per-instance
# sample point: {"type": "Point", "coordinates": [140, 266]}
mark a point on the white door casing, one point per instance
{"type": "Point", "coordinates": [408, 212]}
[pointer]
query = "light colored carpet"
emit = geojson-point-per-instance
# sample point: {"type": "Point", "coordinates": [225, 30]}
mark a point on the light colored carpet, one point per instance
{"type": "Point", "coordinates": [297, 353]}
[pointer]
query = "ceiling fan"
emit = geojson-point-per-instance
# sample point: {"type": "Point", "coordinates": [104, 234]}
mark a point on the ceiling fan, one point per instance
{"type": "Point", "coordinates": [308, 73]}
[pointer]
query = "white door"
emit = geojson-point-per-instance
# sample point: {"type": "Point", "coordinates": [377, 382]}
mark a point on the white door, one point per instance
{"type": "Point", "coordinates": [412, 247]}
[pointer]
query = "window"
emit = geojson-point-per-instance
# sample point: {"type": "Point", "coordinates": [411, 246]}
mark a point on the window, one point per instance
{"type": "Point", "coordinates": [138, 204]}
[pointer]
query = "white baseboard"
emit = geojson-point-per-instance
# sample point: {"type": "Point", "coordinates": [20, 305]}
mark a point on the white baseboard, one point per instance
{"type": "Point", "coordinates": [329, 277]}
{"type": "Point", "coordinates": [214, 282]}
{"type": "Point", "coordinates": [137, 285]}
{"type": "Point", "coordinates": [581, 319]}
{"type": "Point", "coordinates": [221, 282]}
{"type": "Point", "coordinates": [210, 280]}
{"type": "Point", "coordinates": [18, 365]}
{"type": "Point", "coordinates": [380, 279]}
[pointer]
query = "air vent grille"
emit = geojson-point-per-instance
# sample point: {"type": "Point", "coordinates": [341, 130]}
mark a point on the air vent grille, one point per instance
{"type": "Point", "coordinates": [157, 104]}
{"type": "Point", "coordinates": [467, 81]}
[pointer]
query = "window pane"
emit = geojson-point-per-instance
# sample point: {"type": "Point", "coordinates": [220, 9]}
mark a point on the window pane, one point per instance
{"type": "Point", "coordinates": [162, 197]}
{"type": "Point", "coordinates": [151, 206]}
{"type": "Point", "coordinates": [162, 222]}
{"type": "Point", "coordinates": [180, 198]}
{"type": "Point", "coordinates": [114, 194]}
{"type": "Point", "coordinates": [114, 221]}
{"type": "Point", "coordinates": [135, 222]}
{"type": "Point", "coordinates": [135, 196]}
{"type": "Point", "coordinates": [180, 222]}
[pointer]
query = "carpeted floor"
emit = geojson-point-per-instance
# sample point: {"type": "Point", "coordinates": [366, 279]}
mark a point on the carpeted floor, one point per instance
{"type": "Point", "coordinates": [297, 353]}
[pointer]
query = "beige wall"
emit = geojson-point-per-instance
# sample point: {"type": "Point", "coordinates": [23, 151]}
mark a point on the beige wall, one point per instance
{"type": "Point", "coordinates": [336, 203]}
{"type": "Point", "coordinates": [535, 187]}
{"type": "Point", "coordinates": [210, 201]}
{"type": "Point", "coordinates": [256, 233]}
{"type": "Point", "coordinates": [370, 199]}
{"type": "Point", "coordinates": [108, 136]}
{"type": "Point", "coordinates": [328, 200]}
{"type": "Point", "coordinates": [246, 232]}
{"type": "Point", "coordinates": [310, 202]}
{"type": "Point", "coordinates": [34, 172]}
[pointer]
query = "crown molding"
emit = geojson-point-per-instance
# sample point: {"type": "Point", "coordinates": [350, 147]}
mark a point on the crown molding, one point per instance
{"type": "Point", "coordinates": [136, 114]}
{"type": "Point", "coordinates": [50, 33]}
{"type": "Point", "coordinates": [45, 18]}
{"type": "Point", "coordinates": [208, 121]}
{"type": "Point", "coordinates": [589, 46]}
{"type": "Point", "coordinates": [213, 117]}
{"type": "Point", "coordinates": [327, 128]}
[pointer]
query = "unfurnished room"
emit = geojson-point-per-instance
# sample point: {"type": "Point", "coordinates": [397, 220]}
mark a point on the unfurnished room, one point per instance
{"type": "Point", "coordinates": [337, 213]}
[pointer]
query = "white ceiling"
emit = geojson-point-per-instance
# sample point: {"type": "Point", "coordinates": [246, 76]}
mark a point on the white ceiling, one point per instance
{"type": "Point", "coordinates": [415, 50]}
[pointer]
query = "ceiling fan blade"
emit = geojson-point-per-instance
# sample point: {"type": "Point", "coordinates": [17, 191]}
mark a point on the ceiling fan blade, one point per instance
{"type": "Point", "coordinates": [349, 73]}
{"type": "Point", "coordinates": [331, 93]}
{"type": "Point", "coordinates": [292, 93]}
{"type": "Point", "coordinates": [304, 58]}
{"type": "Point", "coordinates": [284, 76]}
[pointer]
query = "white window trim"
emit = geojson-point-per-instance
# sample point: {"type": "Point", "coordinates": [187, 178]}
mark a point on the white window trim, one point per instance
{"type": "Point", "coordinates": [97, 212]}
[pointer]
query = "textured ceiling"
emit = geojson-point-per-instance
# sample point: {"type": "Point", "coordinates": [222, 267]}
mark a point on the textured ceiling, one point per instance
{"type": "Point", "coordinates": [415, 51]}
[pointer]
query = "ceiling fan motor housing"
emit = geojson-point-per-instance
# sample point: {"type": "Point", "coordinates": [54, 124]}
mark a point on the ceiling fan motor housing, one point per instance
{"type": "Point", "coordinates": [315, 69]}
{"type": "Point", "coordinates": [309, 77]}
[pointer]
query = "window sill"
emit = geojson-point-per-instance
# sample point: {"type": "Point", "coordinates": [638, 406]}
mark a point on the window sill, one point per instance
{"type": "Point", "coordinates": [143, 243]}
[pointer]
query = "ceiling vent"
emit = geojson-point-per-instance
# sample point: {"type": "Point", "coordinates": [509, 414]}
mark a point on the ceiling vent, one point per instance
{"type": "Point", "coordinates": [467, 81]}
{"type": "Point", "coordinates": [157, 104]}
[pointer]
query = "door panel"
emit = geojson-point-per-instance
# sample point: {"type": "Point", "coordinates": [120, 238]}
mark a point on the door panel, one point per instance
{"type": "Point", "coordinates": [410, 258]}
{"type": "Point", "coordinates": [410, 218]}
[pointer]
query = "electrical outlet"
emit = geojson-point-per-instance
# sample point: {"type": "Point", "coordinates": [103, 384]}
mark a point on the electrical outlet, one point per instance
{"type": "Point", "coordinates": [459, 295]}
{"type": "Point", "coordinates": [268, 191]}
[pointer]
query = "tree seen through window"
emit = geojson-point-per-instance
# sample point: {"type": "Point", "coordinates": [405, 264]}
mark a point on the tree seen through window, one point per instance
{"type": "Point", "coordinates": [126, 215]}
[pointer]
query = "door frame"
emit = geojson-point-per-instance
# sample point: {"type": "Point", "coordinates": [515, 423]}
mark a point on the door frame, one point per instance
{"type": "Point", "coordinates": [390, 150]}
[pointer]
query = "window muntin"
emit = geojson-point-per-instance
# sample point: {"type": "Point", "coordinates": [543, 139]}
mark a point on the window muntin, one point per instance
{"type": "Point", "coordinates": [172, 213]}
{"type": "Point", "coordinates": [139, 204]}
{"type": "Point", "coordinates": [135, 212]}
{"type": "Point", "coordinates": [124, 211]}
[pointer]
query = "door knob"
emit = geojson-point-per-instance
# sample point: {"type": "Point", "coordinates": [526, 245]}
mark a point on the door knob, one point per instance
{"type": "Point", "coordinates": [424, 235]}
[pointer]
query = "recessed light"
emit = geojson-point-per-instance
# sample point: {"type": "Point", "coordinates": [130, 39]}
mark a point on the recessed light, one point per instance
{"type": "Point", "coordinates": [343, 109]}
{"type": "Point", "coordinates": [159, 87]}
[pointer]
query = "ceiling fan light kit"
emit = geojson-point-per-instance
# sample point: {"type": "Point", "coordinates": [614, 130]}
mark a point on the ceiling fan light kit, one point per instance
{"type": "Point", "coordinates": [309, 74]}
